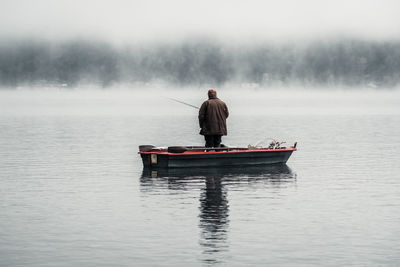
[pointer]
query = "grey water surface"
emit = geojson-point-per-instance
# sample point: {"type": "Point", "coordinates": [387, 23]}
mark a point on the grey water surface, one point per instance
{"type": "Point", "coordinates": [73, 191]}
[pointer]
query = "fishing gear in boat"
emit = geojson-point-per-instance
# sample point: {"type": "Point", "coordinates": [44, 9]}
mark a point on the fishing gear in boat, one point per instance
{"type": "Point", "coordinates": [273, 144]}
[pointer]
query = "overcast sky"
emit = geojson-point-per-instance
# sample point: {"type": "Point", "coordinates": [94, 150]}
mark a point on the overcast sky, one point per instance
{"type": "Point", "coordinates": [123, 20]}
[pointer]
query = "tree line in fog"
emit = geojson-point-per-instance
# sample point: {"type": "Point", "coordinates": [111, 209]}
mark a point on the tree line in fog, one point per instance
{"type": "Point", "coordinates": [71, 63]}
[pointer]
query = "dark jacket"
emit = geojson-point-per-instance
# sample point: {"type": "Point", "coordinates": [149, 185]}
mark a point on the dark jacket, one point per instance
{"type": "Point", "coordinates": [212, 117]}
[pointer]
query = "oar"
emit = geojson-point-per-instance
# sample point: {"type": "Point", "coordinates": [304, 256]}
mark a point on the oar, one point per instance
{"type": "Point", "coordinates": [181, 149]}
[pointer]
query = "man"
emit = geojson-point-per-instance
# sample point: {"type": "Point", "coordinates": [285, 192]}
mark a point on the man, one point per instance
{"type": "Point", "coordinates": [212, 119]}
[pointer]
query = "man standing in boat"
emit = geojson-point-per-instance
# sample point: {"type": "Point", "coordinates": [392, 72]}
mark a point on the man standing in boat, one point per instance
{"type": "Point", "coordinates": [212, 119]}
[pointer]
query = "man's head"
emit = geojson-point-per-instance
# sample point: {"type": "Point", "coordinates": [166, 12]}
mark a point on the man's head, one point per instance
{"type": "Point", "coordinates": [212, 93]}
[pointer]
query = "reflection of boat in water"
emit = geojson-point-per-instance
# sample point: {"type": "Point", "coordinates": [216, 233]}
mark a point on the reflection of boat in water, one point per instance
{"type": "Point", "coordinates": [180, 178]}
{"type": "Point", "coordinates": [191, 156]}
{"type": "Point", "coordinates": [267, 171]}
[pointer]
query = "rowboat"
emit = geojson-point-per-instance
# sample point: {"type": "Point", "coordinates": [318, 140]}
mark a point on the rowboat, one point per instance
{"type": "Point", "coordinates": [196, 156]}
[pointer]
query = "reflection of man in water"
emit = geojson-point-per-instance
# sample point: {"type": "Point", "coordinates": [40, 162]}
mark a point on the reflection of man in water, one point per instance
{"type": "Point", "coordinates": [212, 119]}
{"type": "Point", "coordinates": [214, 210]}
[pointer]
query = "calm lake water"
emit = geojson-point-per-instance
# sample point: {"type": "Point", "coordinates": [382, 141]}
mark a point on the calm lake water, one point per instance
{"type": "Point", "coordinates": [73, 191]}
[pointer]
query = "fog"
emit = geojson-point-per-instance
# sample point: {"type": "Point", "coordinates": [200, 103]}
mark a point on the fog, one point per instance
{"type": "Point", "coordinates": [192, 43]}
{"type": "Point", "coordinates": [341, 63]}
{"type": "Point", "coordinates": [124, 20]}
{"type": "Point", "coordinates": [156, 102]}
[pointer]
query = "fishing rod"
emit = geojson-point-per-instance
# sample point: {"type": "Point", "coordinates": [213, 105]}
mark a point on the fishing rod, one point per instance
{"type": "Point", "coordinates": [187, 104]}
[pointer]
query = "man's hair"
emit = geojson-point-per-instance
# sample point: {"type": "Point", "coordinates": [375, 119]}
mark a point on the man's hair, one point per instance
{"type": "Point", "coordinates": [212, 92]}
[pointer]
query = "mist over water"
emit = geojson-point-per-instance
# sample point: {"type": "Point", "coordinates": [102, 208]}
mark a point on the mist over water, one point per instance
{"type": "Point", "coordinates": [155, 102]}
{"type": "Point", "coordinates": [334, 63]}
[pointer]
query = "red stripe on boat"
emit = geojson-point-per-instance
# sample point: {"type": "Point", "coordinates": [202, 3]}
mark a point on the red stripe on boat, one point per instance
{"type": "Point", "coordinates": [191, 152]}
